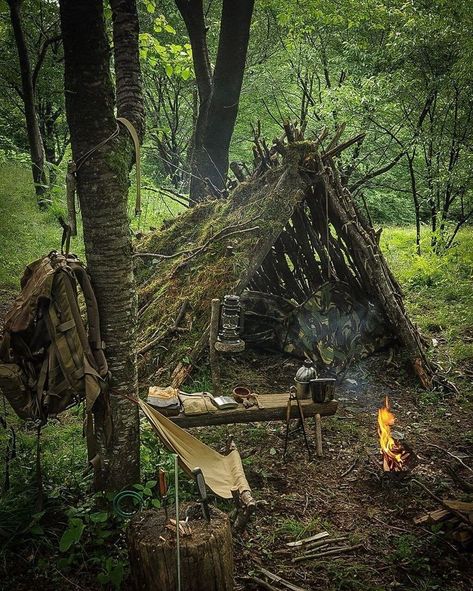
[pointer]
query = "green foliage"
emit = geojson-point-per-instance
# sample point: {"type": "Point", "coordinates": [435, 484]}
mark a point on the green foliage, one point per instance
{"type": "Point", "coordinates": [438, 290]}
{"type": "Point", "coordinates": [26, 233]}
{"type": "Point", "coordinates": [95, 532]}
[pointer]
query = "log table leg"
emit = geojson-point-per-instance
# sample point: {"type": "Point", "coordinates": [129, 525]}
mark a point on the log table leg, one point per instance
{"type": "Point", "coordinates": [206, 554]}
{"type": "Point", "coordinates": [318, 436]}
{"type": "Point", "coordinates": [213, 354]}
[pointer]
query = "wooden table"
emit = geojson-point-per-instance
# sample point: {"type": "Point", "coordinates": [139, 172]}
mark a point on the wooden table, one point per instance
{"type": "Point", "coordinates": [274, 409]}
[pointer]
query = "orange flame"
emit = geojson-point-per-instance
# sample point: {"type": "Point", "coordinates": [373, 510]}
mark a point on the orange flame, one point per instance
{"type": "Point", "coordinates": [388, 445]}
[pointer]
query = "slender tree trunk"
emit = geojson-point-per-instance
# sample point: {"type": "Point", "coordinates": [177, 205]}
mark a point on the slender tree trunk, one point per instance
{"type": "Point", "coordinates": [212, 156]}
{"type": "Point", "coordinates": [27, 90]}
{"type": "Point", "coordinates": [102, 183]}
{"type": "Point", "coordinates": [415, 198]}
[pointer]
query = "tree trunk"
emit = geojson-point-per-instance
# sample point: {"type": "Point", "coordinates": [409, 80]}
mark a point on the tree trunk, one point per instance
{"type": "Point", "coordinates": [206, 555]}
{"type": "Point", "coordinates": [102, 184]}
{"type": "Point", "coordinates": [35, 141]}
{"type": "Point", "coordinates": [415, 198]}
{"type": "Point", "coordinates": [219, 95]}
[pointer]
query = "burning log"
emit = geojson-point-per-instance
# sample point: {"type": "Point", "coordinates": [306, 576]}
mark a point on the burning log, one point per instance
{"type": "Point", "coordinates": [395, 455]}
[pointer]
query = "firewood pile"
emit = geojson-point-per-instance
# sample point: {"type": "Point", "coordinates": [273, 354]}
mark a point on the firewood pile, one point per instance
{"type": "Point", "coordinates": [455, 519]}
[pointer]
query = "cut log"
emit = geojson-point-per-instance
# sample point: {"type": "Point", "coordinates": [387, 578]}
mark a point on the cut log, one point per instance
{"type": "Point", "coordinates": [274, 409]}
{"type": "Point", "coordinates": [433, 517]}
{"type": "Point", "coordinates": [206, 557]}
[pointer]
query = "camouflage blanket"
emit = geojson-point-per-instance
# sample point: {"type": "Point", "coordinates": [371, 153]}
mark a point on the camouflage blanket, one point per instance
{"type": "Point", "coordinates": [331, 327]}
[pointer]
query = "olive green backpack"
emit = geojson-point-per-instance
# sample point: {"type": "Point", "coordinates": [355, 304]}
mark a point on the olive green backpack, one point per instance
{"type": "Point", "coordinates": [50, 358]}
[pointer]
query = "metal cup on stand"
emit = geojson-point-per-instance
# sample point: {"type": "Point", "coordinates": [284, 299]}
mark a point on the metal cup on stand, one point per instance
{"type": "Point", "coordinates": [322, 389]}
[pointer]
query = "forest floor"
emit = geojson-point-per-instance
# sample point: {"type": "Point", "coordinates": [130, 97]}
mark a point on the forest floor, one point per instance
{"type": "Point", "coordinates": [341, 494]}
{"type": "Point", "coordinates": [76, 541]}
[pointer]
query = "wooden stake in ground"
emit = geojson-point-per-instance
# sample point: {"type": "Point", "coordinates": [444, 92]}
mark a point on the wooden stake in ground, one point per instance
{"type": "Point", "coordinates": [318, 435]}
{"type": "Point", "coordinates": [213, 354]}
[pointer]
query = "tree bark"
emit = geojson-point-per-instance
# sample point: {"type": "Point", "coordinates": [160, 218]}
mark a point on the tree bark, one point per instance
{"type": "Point", "coordinates": [35, 140]}
{"type": "Point", "coordinates": [219, 95]}
{"type": "Point", "coordinates": [102, 185]}
{"type": "Point", "coordinates": [206, 556]}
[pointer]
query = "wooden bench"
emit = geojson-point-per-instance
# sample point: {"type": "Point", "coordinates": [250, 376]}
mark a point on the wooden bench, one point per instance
{"type": "Point", "coordinates": [274, 407]}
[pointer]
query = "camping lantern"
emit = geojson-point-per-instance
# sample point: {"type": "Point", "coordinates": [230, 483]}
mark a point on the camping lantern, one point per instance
{"type": "Point", "coordinates": [231, 324]}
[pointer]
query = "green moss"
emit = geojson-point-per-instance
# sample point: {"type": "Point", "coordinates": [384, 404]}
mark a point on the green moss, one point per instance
{"type": "Point", "coordinates": [264, 205]}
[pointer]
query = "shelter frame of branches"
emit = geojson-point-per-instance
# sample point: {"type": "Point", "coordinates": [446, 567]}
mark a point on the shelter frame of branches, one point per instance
{"type": "Point", "coordinates": [286, 229]}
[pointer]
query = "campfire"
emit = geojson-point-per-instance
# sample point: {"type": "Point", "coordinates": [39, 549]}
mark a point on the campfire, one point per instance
{"type": "Point", "coordinates": [395, 455]}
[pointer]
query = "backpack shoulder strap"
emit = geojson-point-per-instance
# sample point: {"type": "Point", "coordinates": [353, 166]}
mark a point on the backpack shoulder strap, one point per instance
{"type": "Point", "coordinates": [93, 319]}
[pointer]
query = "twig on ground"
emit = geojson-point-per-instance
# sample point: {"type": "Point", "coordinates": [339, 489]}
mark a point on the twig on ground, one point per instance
{"type": "Point", "coordinates": [460, 515]}
{"type": "Point", "coordinates": [450, 454]}
{"type": "Point", "coordinates": [326, 542]}
{"type": "Point", "coordinates": [319, 536]}
{"type": "Point", "coordinates": [464, 484]}
{"type": "Point", "coordinates": [280, 580]}
{"type": "Point", "coordinates": [390, 526]}
{"type": "Point", "coordinates": [260, 582]}
{"type": "Point", "coordinates": [334, 552]}
{"type": "Point", "coordinates": [350, 468]}
{"type": "Point", "coordinates": [69, 581]}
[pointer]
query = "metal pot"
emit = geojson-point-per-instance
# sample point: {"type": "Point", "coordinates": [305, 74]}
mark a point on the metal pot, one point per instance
{"type": "Point", "coordinates": [322, 389]}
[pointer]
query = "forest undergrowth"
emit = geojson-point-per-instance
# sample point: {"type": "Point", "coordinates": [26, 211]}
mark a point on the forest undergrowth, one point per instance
{"type": "Point", "coordinates": [76, 540]}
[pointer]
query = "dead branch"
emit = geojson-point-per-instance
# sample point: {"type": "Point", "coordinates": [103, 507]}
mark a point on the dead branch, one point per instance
{"type": "Point", "coordinates": [326, 542]}
{"type": "Point", "coordinates": [462, 483]}
{"type": "Point", "coordinates": [334, 552]}
{"type": "Point", "coordinates": [169, 331]}
{"type": "Point", "coordinates": [173, 195]}
{"type": "Point", "coordinates": [319, 536]}
{"type": "Point", "coordinates": [198, 249]}
{"type": "Point", "coordinates": [280, 580]}
{"type": "Point", "coordinates": [260, 582]}
{"type": "Point", "coordinates": [349, 469]}
{"type": "Point", "coordinates": [337, 149]}
{"type": "Point", "coordinates": [450, 454]}
{"type": "Point", "coordinates": [337, 136]}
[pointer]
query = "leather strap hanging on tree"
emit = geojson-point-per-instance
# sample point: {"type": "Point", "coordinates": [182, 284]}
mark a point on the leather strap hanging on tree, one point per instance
{"type": "Point", "coordinates": [73, 168]}
{"type": "Point", "coordinates": [134, 136]}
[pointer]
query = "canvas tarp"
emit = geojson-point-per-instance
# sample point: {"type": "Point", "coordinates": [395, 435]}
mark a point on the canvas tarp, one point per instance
{"type": "Point", "coordinates": [223, 474]}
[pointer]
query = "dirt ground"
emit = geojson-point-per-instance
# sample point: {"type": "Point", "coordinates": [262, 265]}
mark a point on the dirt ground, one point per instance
{"type": "Point", "coordinates": [343, 493]}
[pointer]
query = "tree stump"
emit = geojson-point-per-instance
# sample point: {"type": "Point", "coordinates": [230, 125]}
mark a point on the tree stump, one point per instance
{"type": "Point", "coordinates": [206, 555]}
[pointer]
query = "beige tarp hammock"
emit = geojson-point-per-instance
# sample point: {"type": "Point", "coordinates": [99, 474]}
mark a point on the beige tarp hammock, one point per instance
{"type": "Point", "coordinates": [223, 474]}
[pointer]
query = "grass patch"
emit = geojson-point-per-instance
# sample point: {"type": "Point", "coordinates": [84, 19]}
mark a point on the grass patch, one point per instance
{"type": "Point", "coordinates": [26, 232]}
{"type": "Point", "coordinates": [438, 289]}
